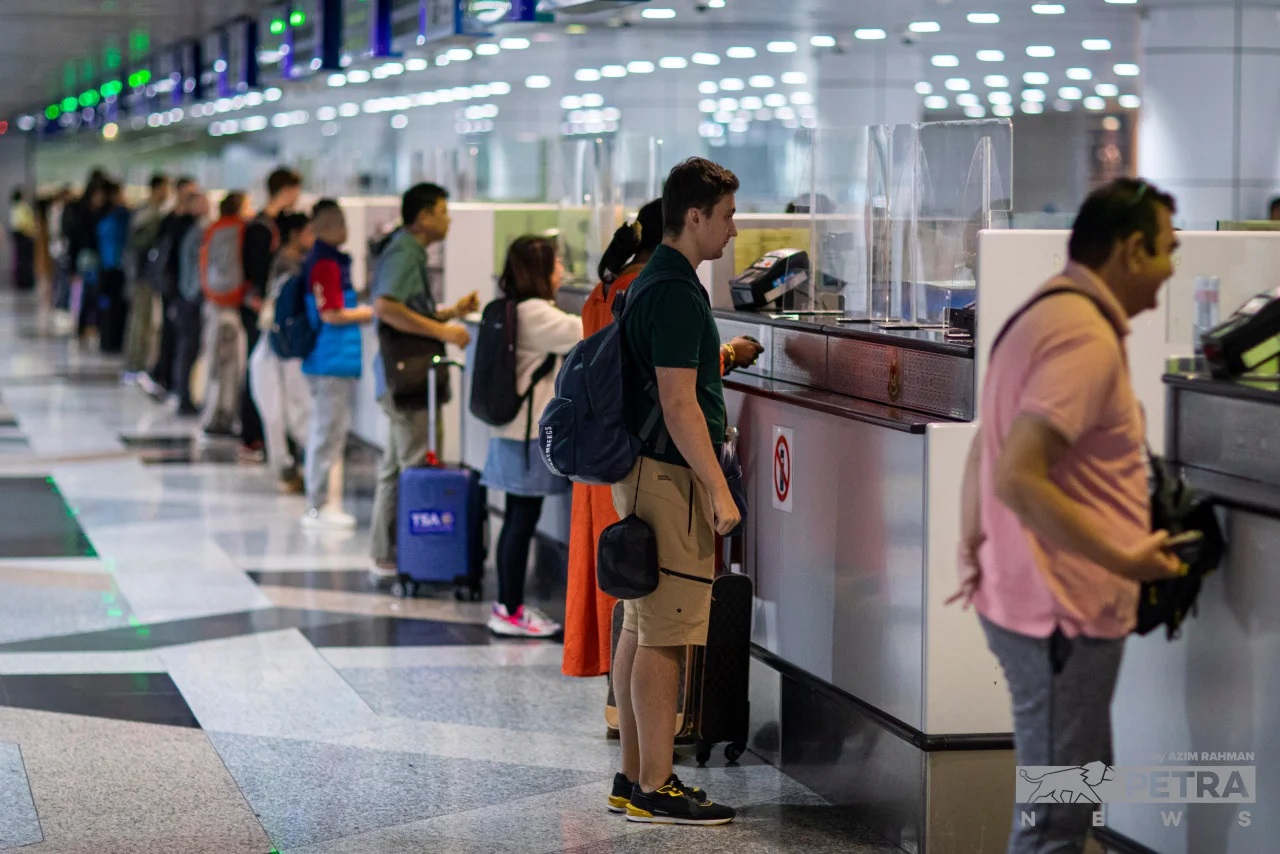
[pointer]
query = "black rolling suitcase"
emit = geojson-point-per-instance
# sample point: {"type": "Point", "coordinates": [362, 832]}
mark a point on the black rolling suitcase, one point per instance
{"type": "Point", "coordinates": [714, 704]}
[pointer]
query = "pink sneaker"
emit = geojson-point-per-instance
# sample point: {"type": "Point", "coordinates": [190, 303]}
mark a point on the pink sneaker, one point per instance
{"type": "Point", "coordinates": [525, 623]}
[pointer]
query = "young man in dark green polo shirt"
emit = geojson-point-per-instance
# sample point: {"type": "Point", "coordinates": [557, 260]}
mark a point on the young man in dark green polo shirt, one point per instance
{"type": "Point", "coordinates": [677, 487]}
{"type": "Point", "coordinates": [403, 300]}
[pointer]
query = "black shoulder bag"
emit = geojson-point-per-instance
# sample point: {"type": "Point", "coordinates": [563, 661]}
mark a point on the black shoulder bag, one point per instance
{"type": "Point", "coordinates": [408, 359]}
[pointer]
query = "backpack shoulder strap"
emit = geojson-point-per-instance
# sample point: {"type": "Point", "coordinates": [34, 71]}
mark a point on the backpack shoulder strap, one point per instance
{"type": "Point", "coordinates": [1040, 297]}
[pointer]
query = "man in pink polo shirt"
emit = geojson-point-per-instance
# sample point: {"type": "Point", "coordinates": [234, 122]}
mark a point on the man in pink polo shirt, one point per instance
{"type": "Point", "coordinates": [1056, 509]}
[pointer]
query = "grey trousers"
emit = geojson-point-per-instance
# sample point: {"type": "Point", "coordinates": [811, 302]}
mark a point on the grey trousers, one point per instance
{"type": "Point", "coordinates": [1059, 718]}
{"type": "Point", "coordinates": [224, 359]}
{"type": "Point", "coordinates": [332, 400]}
{"type": "Point", "coordinates": [407, 445]}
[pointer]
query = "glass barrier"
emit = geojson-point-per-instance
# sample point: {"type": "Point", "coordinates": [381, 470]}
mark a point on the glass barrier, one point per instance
{"type": "Point", "coordinates": [931, 188]}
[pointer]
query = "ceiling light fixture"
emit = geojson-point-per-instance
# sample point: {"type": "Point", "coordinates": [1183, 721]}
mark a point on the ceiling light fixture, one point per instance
{"type": "Point", "coordinates": [538, 81]}
{"type": "Point", "coordinates": [1032, 108]}
{"type": "Point", "coordinates": [795, 78]}
{"type": "Point", "coordinates": [641, 66]}
{"type": "Point", "coordinates": [823, 41]}
{"type": "Point", "coordinates": [732, 84]}
{"type": "Point", "coordinates": [1041, 51]}
{"type": "Point", "coordinates": [1093, 102]}
{"type": "Point", "coordinates": [741, 53]}
{"type": "Point", "coordinates": [775, 100]}
{"type": "Point", "coordinates": [1035, 78]}
{"type": "Point", "coordinates": [1033, 95]}
{"type": "Point", "coordinates": [924, 27]}
{"type": "Point", "coordinates": [870, 34]}
{"type": "Point", "coordinates": [658, 14]}
{"type": "Point", "coordinates": [1000, 98]}
{"type": "Point", "coordinates": [1070, 93]}
{"type": "Point", "coordinates": [945, 60]}
{"type": "Point", "coordinates": [958, 84]}
{"type": "Point", "coordinates": [586, 75]}
{"type": "Point", "coordinates": [983, 18]}
{"type": "Point", "coordinates": [762, 81]}
{"type": "Point", "coordinates": [1096, 44]}
{"type": "Point", "coordinates": [1107, 90]}
{"type": "Point", "coordinates": [991, 56]}
{"type": "Point", "coordinates": [996, 81]}
{"type": "Point", "coordinates": [514, 44]}
{"type": "Point", "coordinates": [613, 71]}
{"type": "Point", "coordinates": [1126, 69]}
{"type": "Point", "coordinates": [936, 102]}
{"type": "Point", "coordinates": [337, 80]}
{"type": "Point", "coordinates": [923, 88]}
{"type": "Point", "coordinates": [488, 49]}
{"type": "Point", "coordinates": [673, 62]}
{"type": "Point", "coordinates": [417, 64]}
{"type": "Point", "coordinates": [706, 59]}
{"type": "Point", "coordinates": [1130, 102]}
{"type": "Point", "coordinates": [1049, 9]}
{"type": "Point", "coordinates": [968, 99]}
{"type": "Point", "coordinates": [1079, 74]}
{"type": "Point", "coordinates": [782, 47]}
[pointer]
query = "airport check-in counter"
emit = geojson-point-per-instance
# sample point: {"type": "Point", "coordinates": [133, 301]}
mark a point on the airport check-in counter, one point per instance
{"type": "Point", "coordinates": [1211, 697]}
{"type": "Point", "coordinates": [853, 440]}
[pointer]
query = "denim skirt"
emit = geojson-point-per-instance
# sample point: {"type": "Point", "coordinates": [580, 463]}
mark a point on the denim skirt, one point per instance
{"type": "Point", "coordinates": [517, 467]}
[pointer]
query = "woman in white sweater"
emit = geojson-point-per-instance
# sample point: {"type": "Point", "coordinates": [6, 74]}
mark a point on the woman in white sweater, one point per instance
{"type": "Point", "coordinates": [531, 276]}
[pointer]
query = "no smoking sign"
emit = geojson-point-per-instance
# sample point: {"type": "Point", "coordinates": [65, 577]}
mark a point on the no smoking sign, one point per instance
{"type": "Point", "coordinates": [783, 468]}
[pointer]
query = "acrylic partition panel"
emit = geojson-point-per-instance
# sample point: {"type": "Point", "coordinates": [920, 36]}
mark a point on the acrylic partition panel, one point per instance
{"type": "Point", "coordinates": [842, 253]}
{"type": "Point", "coordinates": [931, 188]}
{"type": "Point", "coordinates": [601, 182]}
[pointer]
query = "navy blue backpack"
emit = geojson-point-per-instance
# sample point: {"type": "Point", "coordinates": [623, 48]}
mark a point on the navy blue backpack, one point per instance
{"type": "Point", "coordinates": [583, 430]}
{"type": "Point", "coordinates": [292, 335]}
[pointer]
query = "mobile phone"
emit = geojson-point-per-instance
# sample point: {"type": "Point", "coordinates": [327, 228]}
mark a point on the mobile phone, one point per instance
{"type": "Point", "coordinates": [1186, 546]}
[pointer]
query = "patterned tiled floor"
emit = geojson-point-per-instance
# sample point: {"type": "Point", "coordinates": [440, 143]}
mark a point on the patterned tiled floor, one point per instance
{"type": "Point", "coordinates": [182, 668]}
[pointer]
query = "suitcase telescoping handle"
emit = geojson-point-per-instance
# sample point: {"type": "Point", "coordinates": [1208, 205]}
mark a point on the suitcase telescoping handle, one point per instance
{"type": "Point", "coordinates": [433, 453]}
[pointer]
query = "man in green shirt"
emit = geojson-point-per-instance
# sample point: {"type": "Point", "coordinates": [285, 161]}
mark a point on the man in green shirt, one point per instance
{"type": "Point", "coordinates": [677, 488]}
{"type": "Point", "coordinates": [403, 300]}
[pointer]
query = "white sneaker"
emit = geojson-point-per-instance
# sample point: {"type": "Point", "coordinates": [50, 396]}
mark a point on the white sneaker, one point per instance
{"type": "Point", "coordinates": [377, 570]}
{"type": "Point", "coordinates": [328, 520]}
{"type": "Point", "coordinates": [526, 623]}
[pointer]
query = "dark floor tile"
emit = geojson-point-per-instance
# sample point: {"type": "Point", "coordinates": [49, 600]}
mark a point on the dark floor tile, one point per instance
{"type": "Point", "coordinates": [345, 580]}
{"type": "Point", "coordinates": [36, 522]}
{"type": "Point", "coordinates": [101, 695]}
{"type": "Point", "coordinates": [394, 631]}
{"type": "Point", "coordinates": [180, 631]}
{"type": "Point", "coordinates": [181, 450]}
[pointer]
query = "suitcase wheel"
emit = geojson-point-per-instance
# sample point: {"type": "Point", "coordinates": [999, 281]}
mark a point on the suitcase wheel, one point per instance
{"type": "Point", "coordinates": [404, 589]}
{"type": "Point", "coordinates": [733, 752]}
{"type": "Point", "coordinates": [465, 591]}
{"type": "Point", "coordinates": [703, 754]}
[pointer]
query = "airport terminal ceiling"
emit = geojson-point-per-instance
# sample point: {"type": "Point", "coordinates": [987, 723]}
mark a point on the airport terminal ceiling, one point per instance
{"type": "Point", "coordinates": [40, 40]}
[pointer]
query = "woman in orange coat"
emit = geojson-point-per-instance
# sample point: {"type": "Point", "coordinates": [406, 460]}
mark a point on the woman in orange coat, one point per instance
{"type": "Point", "coordinates": [588, 629]}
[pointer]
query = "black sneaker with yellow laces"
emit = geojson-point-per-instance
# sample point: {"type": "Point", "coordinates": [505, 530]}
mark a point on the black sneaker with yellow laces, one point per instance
{"type": "Point", "coordinates": [622, 788]}
{"type": "Point", "coordinates": [673, 804]}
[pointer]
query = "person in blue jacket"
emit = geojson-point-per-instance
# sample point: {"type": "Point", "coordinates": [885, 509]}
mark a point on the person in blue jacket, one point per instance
{"type": "Point", "coordinates": [333, 367]}
{"type": "Point", "coordinates": [112, 301]}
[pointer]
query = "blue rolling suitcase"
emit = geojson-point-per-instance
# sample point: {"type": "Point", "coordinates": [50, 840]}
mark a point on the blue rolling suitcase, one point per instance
{"type": "Point", "coordinates": [440, 523]}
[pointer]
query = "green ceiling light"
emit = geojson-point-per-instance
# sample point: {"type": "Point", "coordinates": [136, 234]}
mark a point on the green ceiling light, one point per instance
{"type": "Point", "coordinates": [139, 42]}
{"type": "Point", "coordinates": [90, 98]}
{"type": "Point", "coordinates": [111, 88]}
{"type": "Point", "coordinates": [111, 58]}
{"type": "Point", "coordinates": [69, 104]}
{"type": "Point", "coordinates": [297, 18]}
{"type": "Point", "coordinates": [52, 111]}
{"type": "Point", "coordinates": [277, 26]}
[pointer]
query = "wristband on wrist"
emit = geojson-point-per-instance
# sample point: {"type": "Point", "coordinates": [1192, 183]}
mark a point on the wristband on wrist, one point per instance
{"type": "Point", "coordinates": [733, 357]}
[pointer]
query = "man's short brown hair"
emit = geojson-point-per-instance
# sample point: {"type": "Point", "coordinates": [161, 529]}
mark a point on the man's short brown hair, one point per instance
{"type": "Point", "coordinates": [695, 183]}
{"type": "Point", "coordinates": [282, 179]}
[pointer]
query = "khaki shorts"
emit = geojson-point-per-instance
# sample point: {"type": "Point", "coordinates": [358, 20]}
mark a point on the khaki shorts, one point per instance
{"type": "Point", "coordinates": [678, 508]}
